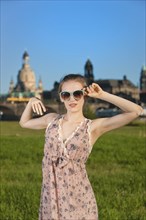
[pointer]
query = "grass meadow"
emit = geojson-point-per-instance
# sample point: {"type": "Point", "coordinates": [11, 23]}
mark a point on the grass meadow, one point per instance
{"type": "Point", "coordinates": [116, 168]}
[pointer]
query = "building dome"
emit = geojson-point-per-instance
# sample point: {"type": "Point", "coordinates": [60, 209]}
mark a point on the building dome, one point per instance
{"type": "Point", "coordinates": [26, 76]}
{"type": "Point", "coordinates": [26, 81]}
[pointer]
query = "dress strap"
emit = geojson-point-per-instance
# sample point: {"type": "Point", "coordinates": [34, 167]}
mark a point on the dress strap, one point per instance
{"type": "Point", "coordinates": [89, 121]}
{"type": "Point", "coordinates": [54, 119]}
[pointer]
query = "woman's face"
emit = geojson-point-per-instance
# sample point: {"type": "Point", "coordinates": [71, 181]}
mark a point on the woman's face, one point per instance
{"type": "Point", "coordinates": [72, 104]}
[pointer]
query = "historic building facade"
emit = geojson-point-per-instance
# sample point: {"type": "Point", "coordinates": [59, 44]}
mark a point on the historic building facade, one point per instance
{"type": "Point", "coordinates": [26, 81]}
{"type": "Point", "coordinates": [121, 87]}
{"type": "Point", "coordinates": [26, 84]}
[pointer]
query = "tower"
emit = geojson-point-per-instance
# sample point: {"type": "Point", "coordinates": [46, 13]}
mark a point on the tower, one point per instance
{"type": "Point", "coordinates": [143, 79]}
{"type": "Point", "coordinates": [40, 86]}
{"type": "Point", "coordinates": [143, 84]}
{"type": "Point", "coordinates": [89, 71]}
{"type": "Point", "coordinates": [11, 86]}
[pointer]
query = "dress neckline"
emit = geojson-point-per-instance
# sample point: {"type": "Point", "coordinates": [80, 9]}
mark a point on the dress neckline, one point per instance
{"type": "Point", "coordinates": [72, 133]}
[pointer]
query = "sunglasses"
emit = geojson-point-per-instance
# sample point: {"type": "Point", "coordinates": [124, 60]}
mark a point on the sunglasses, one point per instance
{"type": "Point", "coordinates": [78, 94]}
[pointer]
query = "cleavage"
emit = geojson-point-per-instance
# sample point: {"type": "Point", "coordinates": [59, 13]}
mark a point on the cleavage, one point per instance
{"type": "Point", "coordinates": [67, 133]}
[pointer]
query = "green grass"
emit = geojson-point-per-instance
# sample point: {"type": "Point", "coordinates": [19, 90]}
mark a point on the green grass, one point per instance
{"type": "Point", "coordinates": [116, 168]}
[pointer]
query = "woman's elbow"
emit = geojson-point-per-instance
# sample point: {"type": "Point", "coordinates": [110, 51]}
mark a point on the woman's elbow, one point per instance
{"type": "Point", "coordinates": [139, 111]}
{"type": "Point", "coordinates": [22, 124]}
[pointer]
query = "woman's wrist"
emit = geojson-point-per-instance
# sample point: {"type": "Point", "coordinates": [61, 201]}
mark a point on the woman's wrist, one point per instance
{"type": "Point", "coordinates": [33, 98]}
{"type": "Point", "coordinates": [102, 95]}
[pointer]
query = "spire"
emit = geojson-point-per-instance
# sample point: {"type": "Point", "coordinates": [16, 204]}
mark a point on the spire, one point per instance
{"type": "Point", "coordinates": [11, 86]}
{"type": "Point", "coordinates": [40, 84]}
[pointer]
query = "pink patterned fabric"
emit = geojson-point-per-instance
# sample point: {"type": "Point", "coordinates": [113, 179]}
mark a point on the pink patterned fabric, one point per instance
{"type": "Point", "coordinates": [66, 191]}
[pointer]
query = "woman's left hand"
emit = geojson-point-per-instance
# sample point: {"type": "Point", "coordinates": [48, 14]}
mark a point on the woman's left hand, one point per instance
{"type": "Point", "coordinates": [94, 90]}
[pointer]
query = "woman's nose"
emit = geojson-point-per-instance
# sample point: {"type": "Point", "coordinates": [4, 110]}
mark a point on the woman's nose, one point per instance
{"type": "Point", "coordinates": [72, 97]}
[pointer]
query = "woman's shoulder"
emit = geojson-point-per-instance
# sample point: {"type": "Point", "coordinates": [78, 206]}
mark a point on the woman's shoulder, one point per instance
{"type": "Point", "coordinates": [50, 117]}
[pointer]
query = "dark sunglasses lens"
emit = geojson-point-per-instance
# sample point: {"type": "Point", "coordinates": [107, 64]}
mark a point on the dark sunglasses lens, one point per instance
{"type": "Point", "coordinates": [65, 95]}
{"type": "Point", "coordinates": [78, 94]}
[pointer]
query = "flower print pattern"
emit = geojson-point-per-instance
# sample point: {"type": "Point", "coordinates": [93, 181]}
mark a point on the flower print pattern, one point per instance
{"type": "Point", "coordinates": [66, 191]}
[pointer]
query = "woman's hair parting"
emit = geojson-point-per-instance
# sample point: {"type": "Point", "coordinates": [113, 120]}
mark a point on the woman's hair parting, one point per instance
{"type": "Point", "coordinates": [75, 77]}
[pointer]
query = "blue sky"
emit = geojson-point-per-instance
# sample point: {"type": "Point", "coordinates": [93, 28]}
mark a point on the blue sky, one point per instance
{"type": "Point", "coordinates": [60, 36]}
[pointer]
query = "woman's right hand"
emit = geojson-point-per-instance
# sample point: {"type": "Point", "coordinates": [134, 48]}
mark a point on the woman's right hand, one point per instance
{"type": "Point", "coordinates": [94, 91]}
{"type": "Point", "coordinates": [37, 106]}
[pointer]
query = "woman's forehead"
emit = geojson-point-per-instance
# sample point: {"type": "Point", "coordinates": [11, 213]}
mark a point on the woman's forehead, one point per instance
{"type": "Point", "coordinates": [71, 85]}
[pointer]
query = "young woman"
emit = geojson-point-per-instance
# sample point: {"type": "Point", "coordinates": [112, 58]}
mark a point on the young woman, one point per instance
{"type": "Point", "coordinates": [66, 190]}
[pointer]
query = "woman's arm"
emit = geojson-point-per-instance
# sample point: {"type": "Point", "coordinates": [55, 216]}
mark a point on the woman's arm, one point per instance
{"type": "Point", "coordinates": [130, 110]}
{"type": "Point", "coordinates": [35, 105]}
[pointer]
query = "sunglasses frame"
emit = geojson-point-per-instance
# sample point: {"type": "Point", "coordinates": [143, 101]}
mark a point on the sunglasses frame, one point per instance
{"type": "Point", "coordinates": [72, 94]}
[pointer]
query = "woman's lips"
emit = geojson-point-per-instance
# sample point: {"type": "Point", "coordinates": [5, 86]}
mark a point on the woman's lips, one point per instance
{"type": "Point", "coordinates": [72, 105]}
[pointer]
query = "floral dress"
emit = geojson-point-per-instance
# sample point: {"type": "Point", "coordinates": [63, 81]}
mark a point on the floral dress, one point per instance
{"type": "Point", "coordinates": [66, 191]}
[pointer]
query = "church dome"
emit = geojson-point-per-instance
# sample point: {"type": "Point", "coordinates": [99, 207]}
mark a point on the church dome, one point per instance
{"type": "Point", "coordinates": [26, 76]}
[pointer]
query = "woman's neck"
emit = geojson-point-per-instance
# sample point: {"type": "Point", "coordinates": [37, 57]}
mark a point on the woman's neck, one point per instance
{"type": "Point", "coordinates": [74, 117]}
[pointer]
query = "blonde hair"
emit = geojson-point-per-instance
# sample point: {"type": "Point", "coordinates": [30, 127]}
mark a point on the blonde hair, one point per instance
{"type": "Point", "coordinates": [72, 77]}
